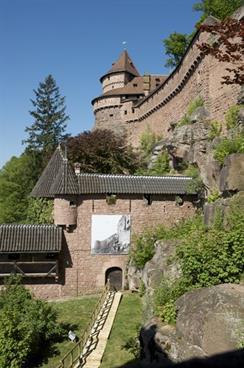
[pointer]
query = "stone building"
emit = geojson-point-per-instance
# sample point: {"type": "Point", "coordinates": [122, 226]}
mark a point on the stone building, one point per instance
{"type": "Point", "coordinates": [64, 259]}
{"type": "Point", "coordinates": [131, 103]}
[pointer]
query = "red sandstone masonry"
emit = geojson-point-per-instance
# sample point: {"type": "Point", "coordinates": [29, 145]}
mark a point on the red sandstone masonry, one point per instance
{"type": "Point", "coordinates": [197, 75]}
{"type": "Point", "coordinates": [84, 272]}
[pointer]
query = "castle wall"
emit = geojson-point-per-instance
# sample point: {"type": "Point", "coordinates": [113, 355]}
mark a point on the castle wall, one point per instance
{"type": "Point", "coordinates": [82, 272]}
{"type": "Point", "coordinates": [197, 75]}
{"type": "Point", "coordinates": [113, 81]}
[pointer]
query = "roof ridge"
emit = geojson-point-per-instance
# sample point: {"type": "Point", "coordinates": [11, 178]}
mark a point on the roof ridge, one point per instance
{"type": "Point", "coordinates": [136, 176]}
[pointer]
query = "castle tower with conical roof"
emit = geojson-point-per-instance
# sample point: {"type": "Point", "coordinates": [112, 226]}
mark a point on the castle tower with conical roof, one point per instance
{"type": "Point", "coordinates": [122, 88]}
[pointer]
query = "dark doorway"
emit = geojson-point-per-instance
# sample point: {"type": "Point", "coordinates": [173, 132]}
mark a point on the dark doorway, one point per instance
{"type": "Point", "coordinates": [114, 275]}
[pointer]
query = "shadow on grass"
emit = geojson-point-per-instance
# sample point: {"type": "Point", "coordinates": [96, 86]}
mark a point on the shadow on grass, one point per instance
{"type": "Point", "coordinates": [49, 349]}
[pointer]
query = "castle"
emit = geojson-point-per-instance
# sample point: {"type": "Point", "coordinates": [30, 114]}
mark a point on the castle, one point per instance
{"type": "Point", "coordinates": [95, 216]}
{"type": "Point", "coordinates": [131, 103]}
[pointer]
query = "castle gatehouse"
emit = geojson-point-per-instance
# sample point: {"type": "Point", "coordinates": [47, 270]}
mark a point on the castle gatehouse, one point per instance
{"type": "Point", "coordinates": [95, 218]}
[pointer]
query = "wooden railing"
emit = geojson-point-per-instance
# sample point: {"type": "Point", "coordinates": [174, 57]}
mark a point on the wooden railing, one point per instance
{"type": "Point", "coordinates": [29, 268]}
{"type": "Point", "coordinates": [74, 356]}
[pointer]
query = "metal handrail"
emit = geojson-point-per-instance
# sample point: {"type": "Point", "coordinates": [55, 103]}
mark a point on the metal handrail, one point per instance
{"type": "Point", "coordinates": [74, 355]}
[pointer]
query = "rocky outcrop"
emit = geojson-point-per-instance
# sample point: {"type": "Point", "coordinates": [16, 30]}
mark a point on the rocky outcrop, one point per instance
{"type": "Point", "coordinates": [134, 278]}
{"type": "Point", "coordinates": [163, 264]}
{"type": "Point", "coordinates": [209, 321]}
{"type": "Point", "coordinates": [232, 173]}
{"type": "Point", "coordinates": [191, 144]}
{"type": "Point", "coordinates": [199, 115]}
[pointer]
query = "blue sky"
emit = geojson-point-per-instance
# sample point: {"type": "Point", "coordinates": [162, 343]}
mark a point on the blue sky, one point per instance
{"type": "Point", "coordinates": [76, 41]}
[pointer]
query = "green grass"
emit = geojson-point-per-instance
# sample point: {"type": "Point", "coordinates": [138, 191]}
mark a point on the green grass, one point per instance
{"type": "Point", "coordinates": [127, 320]}
{"type": "Point", "coordinates": [76, 314]}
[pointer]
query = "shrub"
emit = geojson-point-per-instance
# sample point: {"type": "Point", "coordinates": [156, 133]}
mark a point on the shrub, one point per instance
{"type": "Point", "coordinates": [147, 140]}
{"type": "Point", "coordinates": [213, 196]}
{"type": "Point", "coordinates": [215, 129]}
{"type": "Point", "coordinates": [228, 146]}
{"type": "Point", "coordinates": [196, 185]}
{"type": "Point", "coordinates": [167, 312]}
{"type": "Point", "coordinates": [132, 345]}
{"type": "Point", "coordinates": [193, 106]}
{"type": "Point", "coordinates": [26, 325]}
{"type": "Point", "coordinates": [143, 249]}
{"type": "Point", "coordinates": [231, 116]}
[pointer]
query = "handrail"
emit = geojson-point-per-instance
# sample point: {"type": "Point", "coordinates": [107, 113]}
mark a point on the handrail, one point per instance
{"type": "Point", "coordinates": [74, 355]}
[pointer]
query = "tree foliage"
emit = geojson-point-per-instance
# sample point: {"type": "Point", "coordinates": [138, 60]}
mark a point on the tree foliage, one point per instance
{"type": "Point", "coordinates": [220, 9]}
{"type": "Point", "coordinates": [39, 211]}
{"type": "Point", "coordinates": [101, 151]}
{"type": "Point", "coordinates": [48, 128]}
{"type": "Point", "coordinates": [176, 44]}
{"type": "Point", "coordinates": [26, 325]}
{"type": "Point", "coordinates": [228, 47]}
{"type": "Point", "coordinates": [17, 178]}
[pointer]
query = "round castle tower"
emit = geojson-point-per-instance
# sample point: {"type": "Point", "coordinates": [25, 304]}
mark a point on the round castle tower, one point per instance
{"type": "Point", "coordinates": [108, 110]}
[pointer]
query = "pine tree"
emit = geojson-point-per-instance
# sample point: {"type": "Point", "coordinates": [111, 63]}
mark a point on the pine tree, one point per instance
{"type": "Point", "coordinates": [48, 128]}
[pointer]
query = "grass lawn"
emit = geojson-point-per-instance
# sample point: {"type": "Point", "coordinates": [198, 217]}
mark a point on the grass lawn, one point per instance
{"type": "Point", "coordinates": [76, 313]}
{"type": "Point", "coordinates": [128, 317]}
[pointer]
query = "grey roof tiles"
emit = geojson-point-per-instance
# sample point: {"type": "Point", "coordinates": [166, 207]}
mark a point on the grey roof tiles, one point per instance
{"type": "Point", "coordinates": [131, 184]}
{"type": "Point", "coordinates": [59, 178]}
{"type": "Point", "coordinates": [30, 238]}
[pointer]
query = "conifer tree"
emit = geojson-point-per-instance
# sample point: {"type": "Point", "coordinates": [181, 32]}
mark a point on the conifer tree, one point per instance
{"type": "Point", "coordinates": [48, 128]}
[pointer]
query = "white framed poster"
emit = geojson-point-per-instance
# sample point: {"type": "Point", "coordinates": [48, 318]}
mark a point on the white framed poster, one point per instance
{"type": "Point", "coordinates": [110, 234]}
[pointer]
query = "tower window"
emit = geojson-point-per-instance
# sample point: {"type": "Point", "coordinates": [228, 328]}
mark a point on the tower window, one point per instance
{"type": "Point", "coordinates": [125, 112]}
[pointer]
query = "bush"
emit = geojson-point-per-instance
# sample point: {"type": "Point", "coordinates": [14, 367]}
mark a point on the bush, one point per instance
{"type": "Point", "coordinates": [132, 345]}
{"type": "Point", "coordinates": [231, 116]}
{"type": "Point", "coordinates": [193, 106]}
{"type": "Point", "coordinates": [147, 140]}
{"type": "Point", "coordinates": [213, 196]}
{"type": "Point", "coordinates": [143, 249]}
{"type": "Point", "coordinates": [215, 129]}
{"type": "Point", "coordinates": [228, 146]}
{"type": "Point", "coordinates": [26, 325]}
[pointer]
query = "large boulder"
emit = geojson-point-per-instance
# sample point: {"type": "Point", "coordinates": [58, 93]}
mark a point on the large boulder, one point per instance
{"type": "Point", "coordinates": [163, 264]}
{"type": "Point", "coordinates": [209, 321]}
{"type": "Point", "coordinates": [211, 318]}
{"type": "Point", "coordinates": [232, 173]}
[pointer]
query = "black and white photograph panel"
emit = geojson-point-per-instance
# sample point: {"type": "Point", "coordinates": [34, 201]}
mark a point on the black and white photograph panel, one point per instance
{"type": "Point", "coordinates": [110, 234]}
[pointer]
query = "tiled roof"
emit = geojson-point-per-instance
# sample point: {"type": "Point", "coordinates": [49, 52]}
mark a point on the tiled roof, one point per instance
{"type": "Point", "coordinates": [30, 238]}
{"type": "Point", "coordinates": [65, 181]}
{"type": "Point", "coordinates": [43, 185]}
{"type": "Point", "coordinates": [130, 184]}
{"type": "Point", "coordinates": [123, 64]}
{"type": "Point", "coordinates": [59, 178]}
{"type": "Point", "coordinates": [134, 87]}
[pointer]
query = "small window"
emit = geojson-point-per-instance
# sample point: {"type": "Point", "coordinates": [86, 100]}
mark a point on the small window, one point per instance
{"type": "Point", "coordinates": [157, 79]}
{"type": "Point", "coordinates": [72, 204]}
{"type": "Point", "coordinates": [134, 84]}
{"type": "Point", "coordinates": [125, 112]}
{"type": "Point", "coordinates": [133, 110]}
{"type": "Point", "coordinates": [111, 115]}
